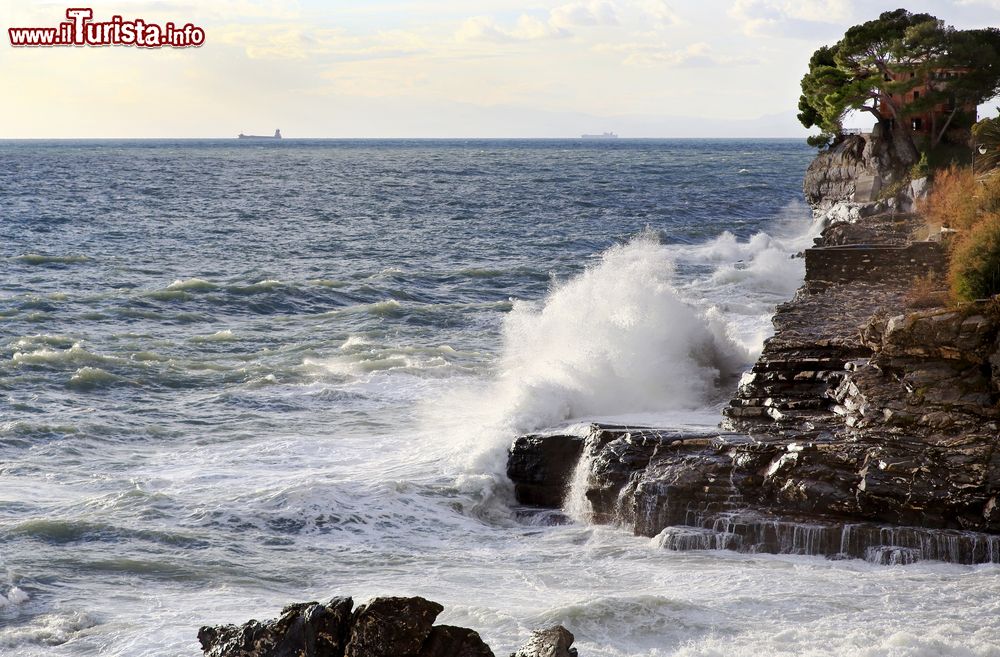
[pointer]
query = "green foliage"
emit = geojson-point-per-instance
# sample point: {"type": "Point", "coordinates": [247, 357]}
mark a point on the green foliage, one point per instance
{"type": "Point", "coordinates": [862, 70]}
{"type": "Point", "coordinates": [822, 140]}
{"type": "Point", "coordinates": [974, 271]}
{"type": "Point", "coordinates": [921, 169]}
{"type": "Point", "coordinates": [851, 74]}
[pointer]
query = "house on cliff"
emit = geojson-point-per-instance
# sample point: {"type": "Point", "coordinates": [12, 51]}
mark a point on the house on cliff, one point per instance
{"type": "Point", "coordinates": [932, 113]}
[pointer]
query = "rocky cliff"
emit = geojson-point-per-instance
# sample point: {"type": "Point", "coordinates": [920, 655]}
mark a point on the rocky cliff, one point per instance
{"type": "Point", "coordinates": [868, 427]}
{"type": "Point", "coordinates": [856, 169]}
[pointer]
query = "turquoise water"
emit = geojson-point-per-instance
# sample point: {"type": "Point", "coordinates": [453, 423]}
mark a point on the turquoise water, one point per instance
{"type": "Point", "coordinates": [239, 375]}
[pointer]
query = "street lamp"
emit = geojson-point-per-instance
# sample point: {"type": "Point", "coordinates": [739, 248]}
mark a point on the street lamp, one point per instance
{"type": "Point", "coordinates": [982, 151]}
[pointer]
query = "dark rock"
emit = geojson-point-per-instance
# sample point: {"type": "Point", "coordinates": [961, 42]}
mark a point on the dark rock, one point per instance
{"type": "Point", "coordinates": [541, 468]}
{"type": "Point", "coordinates": [552, 642]}
{"type": "Point", "coordinates": [391, 627]}
{"type": "Point", "coordinates": [303, 630]}
{"type": "Point", "coordinates": [450, 641]}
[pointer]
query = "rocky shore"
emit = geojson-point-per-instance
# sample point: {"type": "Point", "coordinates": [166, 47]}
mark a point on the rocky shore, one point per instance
{"type": "Point", "coordinates": [868, 428]}
{"type": "Point", "coordinates": [381, 627]}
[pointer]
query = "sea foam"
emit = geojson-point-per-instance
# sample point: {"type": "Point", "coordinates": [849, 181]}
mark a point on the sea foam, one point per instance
{"type": "Point", "coordinates": [618, 338]}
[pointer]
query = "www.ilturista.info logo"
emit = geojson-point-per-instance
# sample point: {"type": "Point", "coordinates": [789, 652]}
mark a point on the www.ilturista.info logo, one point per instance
{"type": "Point", "coordinates": [81, 30]}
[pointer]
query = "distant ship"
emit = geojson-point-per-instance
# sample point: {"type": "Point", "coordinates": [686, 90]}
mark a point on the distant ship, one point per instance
{"type": "Point", "coordinates": [276, 135]}
{"type": "Point", "coordinates": [603, 135]}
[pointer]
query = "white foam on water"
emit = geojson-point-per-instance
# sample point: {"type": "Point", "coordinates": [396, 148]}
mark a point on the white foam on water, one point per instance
{"type": "Point", "coordinates": [225, 335]}
{"type": "Point", "coordinates": [191, 284]}
{"type": "Point", "coordinates": [629, 337]}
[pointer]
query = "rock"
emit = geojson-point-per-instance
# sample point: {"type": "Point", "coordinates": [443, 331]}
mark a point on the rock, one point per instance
{"type": "Point", "coordinates": [919, 188]}
{"type": "Point", "coordinates": [552, 642]}
{"type": "Point", "coordinates": [391, 627]}
{"type": "Point", "coordinates": [303, 630]}
{"type": "Point", "coordinates": [853, 166]}
{"type": "Point", "coordinates": [541, 468]}
{"type": "Point", "coordinates": [866, 428]}
{"type": "Point", "coordinates": [450, 641]}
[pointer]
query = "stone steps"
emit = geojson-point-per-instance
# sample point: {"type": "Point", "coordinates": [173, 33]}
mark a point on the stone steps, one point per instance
{"type": "Point", "coordinates": [786, 389]}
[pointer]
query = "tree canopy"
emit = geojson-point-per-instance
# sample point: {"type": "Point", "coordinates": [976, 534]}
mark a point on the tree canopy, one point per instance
{"type": "Point", "coordinates": [867, 71]}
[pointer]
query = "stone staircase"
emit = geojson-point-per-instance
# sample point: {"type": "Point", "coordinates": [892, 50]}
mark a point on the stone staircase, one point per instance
{"type": "Point", "coordinates": [790, 393]}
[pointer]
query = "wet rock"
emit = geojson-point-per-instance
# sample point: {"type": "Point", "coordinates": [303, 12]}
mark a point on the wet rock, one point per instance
{"type": "Point", "coordinates": [382, 627]}
{"type": "Point", "coordinates": [866, 428]}
{"type": "Point", "coordinates": [391, 627]}
{"type": "Point", "coordinates": [541, 468]}
{"type": "Point", "coordinates": [307, 629]}
{"type": "Point", "coordinates": [552, 642]}
{"type": "Point", "coordinates": [450, 641]}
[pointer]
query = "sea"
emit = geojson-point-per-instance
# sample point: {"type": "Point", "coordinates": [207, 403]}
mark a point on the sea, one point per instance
{"type": "Point", "coordinates": [236, 375]}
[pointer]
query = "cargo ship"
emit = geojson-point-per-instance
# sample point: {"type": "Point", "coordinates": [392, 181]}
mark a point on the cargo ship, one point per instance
{"type": "Point", "coordinates": [276, 135]}
{"type": "Point", "coordinates": [603, 135]}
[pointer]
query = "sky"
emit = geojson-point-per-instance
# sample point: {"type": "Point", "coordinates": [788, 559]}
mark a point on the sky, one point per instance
{"type": "Point", "coordinates": [439, 68]}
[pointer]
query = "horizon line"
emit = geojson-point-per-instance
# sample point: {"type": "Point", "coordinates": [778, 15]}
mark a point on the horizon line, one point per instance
{"type": "Point", "coordinates": [228, 138]}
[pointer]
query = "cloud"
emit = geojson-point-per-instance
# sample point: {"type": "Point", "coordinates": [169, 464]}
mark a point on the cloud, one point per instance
{"type": "Point", "coordinates": [791, 17]}
{"type": "Point", "coordinates": [659, 11]}
{"type": "Point", "coordinates": [557, 24]}
{"type": "Point", "coordinates": [696, 55]}
{"type": "Point", "coordinates": [486, 29]}
{"type": "Point", "coordinates": [583, 14]}
{"type": "Point", "coordinates": [295, 41]}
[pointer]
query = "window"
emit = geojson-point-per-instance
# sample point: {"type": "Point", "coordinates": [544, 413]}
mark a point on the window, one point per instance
{"type": "Point", "coordinates": [916, 94]}
{"type": "Point", "coordinates": [918, 124]}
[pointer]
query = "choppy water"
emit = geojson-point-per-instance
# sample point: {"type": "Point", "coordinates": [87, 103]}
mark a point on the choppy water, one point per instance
{"type": "Point", "coordinates": [235, 376]}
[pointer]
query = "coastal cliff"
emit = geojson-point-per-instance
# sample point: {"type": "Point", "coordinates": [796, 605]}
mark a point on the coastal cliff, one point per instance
{"type": "Point", "coordinates": [868, 427]}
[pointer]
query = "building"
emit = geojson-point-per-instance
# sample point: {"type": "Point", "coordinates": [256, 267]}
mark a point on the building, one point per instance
{"type": "Point", "coordinates": [928, 122]}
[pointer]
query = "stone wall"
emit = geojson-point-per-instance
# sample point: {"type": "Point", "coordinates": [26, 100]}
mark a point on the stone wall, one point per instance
{"type": "Point", "coordinates": [875, 262]}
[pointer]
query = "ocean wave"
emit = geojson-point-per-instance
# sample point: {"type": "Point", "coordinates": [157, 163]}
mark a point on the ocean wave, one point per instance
{"type": "Point", "coordinates": [194, 284]}
{"type": "Point", "coordinates": [61, 531]}
{"type": "Point", "coordinates": [618, 338]}
{"type": "Point", "coordinates": [14, 597]}
{"type": "Point", "coordinates": [225, 335]}
{"type": "Point", "coordinates": [33, 342]}
{"type": "Point", "coordinates": [76, 355]}
{"type": "Point", "coordinates": [90, 378]}
{"type": "Point", "coordinates": [326, 282]}
{"type": "Point", "coordinates": [51, 629]}
{"type": "Point", "coordinates": [360, 358]}
{"type": "Point", "coordinates": [39, 259]}
{"type": "Point", "coordinates": [266, 285]}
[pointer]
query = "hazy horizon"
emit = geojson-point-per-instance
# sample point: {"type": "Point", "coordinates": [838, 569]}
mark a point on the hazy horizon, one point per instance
{"type": "Point", "coordinates": [390, 69]}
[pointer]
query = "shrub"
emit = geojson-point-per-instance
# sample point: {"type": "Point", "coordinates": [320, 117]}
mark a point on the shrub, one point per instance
{"type": "Point", "coordinates": [974, 271]}
{"type": "Point", "coordinates": [921, 169]}
{"type": "Point", "coordinates": [952, 202]}
{"type": "Point", "coordinates": [927, 292]}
